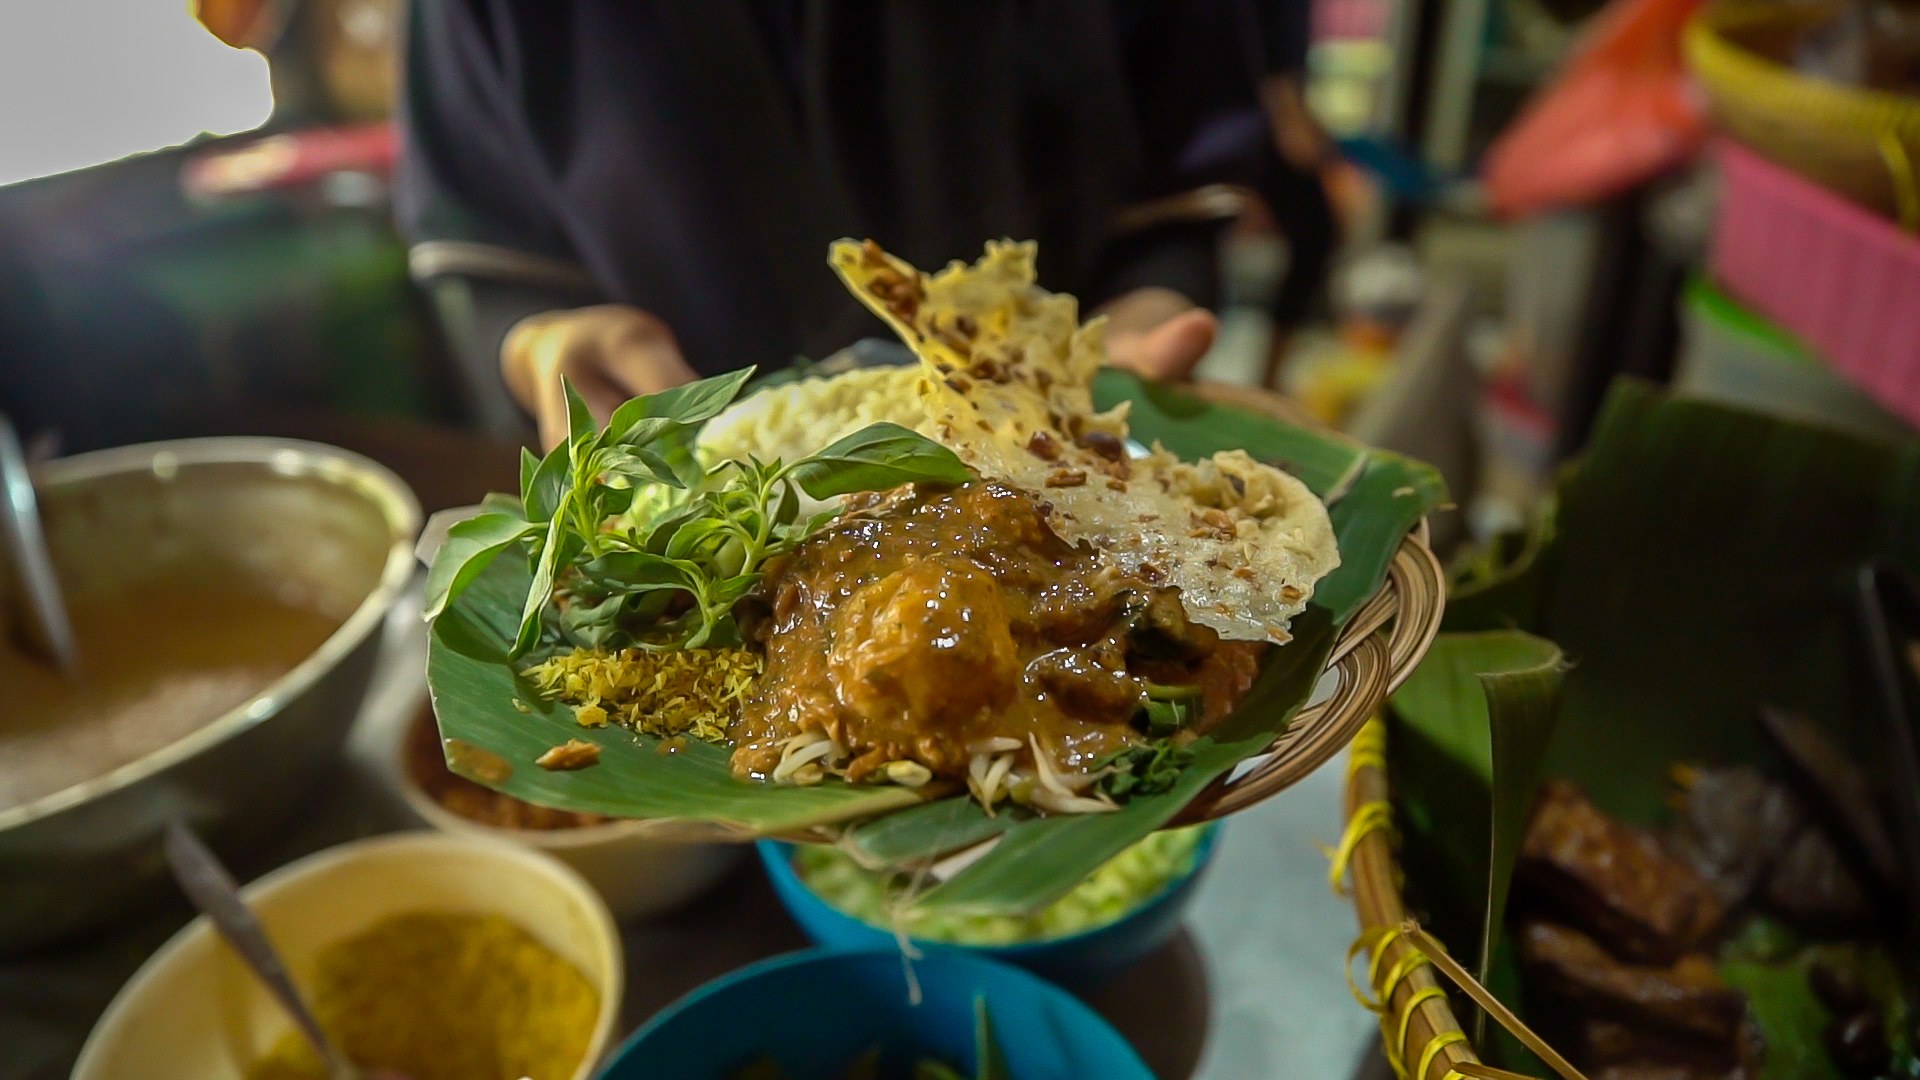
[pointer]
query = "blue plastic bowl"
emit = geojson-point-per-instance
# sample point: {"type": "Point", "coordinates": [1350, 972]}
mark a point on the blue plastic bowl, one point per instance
{"type": "Point", "coordinates": [1076, 960]}
{"type": "Point", "coordinates": [816, 1011]}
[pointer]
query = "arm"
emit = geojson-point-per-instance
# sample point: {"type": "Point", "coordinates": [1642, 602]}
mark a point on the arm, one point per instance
{"type": "Point", "coordinates": [476, 204]}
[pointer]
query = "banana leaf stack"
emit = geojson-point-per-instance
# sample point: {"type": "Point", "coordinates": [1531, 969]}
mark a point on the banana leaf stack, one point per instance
{"type": "Point", "coordinates": [1696, 567]}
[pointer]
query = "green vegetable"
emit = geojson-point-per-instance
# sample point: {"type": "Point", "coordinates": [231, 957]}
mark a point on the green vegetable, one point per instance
{"type": "Point", "coordinates": [1119, 886]}
{"type": "Point", "coordinates": [1148, 769]}
{"type": "Point", "coordinates": [641, 546]}
{"type": "Point", "coordinates": [1170, 708]}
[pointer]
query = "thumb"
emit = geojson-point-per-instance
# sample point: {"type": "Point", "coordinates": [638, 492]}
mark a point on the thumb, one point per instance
{"type": "Point", "coordinates": [1168, 351]}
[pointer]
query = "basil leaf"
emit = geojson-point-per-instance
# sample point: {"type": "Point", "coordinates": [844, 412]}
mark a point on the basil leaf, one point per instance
{"type": "Point", "coordinates": [691, 403]}
{"type": "Point", "coordinates": [730, 591]}
{"type": "Point", "coordinates": [580, 426]}
{"type": "Point", "coordinates": [529, 464]}
{"type": "Point", "coordinates": [789, 507]}
{"type": "Point", "coordinates": [643, 430]}
{"type": "Point", "coordinates": [470, 546]}
{"type": "Point", "coordinates": [660, 530]}
{"type": "Point", "coordinates": [634, 572]}
{"type": "Point", "coordinates": [595, 625]}
{"type": "Point", "coordinates": [878, 457]}
{"type": "Point", "coordinates": [637, 465]}
{"type": "Point", "coordinates": [499, 502]}
{"type": "Point", "coordinates": [696, 537]}
{"type": "Point", "coordinates": [540, 591]}
{"type": "Point", "coordinates": [542, 491]}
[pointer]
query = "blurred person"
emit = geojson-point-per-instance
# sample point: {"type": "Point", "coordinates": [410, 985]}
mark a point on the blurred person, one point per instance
{"type": "Point", "coordinates": [1295, 188]}
{"type": "Point", "coordinates": [629, 193]}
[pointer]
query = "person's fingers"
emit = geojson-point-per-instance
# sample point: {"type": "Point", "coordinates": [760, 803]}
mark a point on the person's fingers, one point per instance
{"type": "Point", "coordinates": [608, 353]}
{"type": "Point", "coordinates": [644, 359]}
{"type": "Point", "coordinates": [1169, 350]}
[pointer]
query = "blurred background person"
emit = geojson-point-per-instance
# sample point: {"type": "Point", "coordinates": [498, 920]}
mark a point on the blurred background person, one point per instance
{"type": "Point", "coordinates": [628, 194]}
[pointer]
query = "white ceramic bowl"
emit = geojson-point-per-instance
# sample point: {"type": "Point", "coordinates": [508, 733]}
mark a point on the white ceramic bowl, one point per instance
{"type": "Point", "coordinates": [637, 872]}
{"type": "Point", "coordinates": [193, 1009]}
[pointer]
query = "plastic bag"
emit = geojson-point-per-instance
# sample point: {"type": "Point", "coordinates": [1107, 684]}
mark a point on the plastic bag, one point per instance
{"type": "Point", "coordinates": [1620, 112]}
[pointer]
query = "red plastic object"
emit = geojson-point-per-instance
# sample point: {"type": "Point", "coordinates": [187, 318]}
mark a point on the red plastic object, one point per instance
{"type": "Point", "coordinates": [1620, 112]}
{"type": "Point", "coordinates": [1841, 278]}
{"type": "Point", "coordinates": [278, 162]}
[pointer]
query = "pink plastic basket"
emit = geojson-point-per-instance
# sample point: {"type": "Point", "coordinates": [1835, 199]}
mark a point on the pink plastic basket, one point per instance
{"type": "Point", "coordinates": [1840, 278]}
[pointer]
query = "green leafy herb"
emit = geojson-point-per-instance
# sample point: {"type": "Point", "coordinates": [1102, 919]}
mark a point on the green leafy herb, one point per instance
{"type": "Point", "coordinates": [633, 544]}
{"type": "Point", "coordinates": [470, 546]}
{"type": "Point", "coordinates": [1144, 770]}
{"type": "Point", "coordinates": [991, 1061]}
{"type": "Point", "coordinates": [1170, 708]}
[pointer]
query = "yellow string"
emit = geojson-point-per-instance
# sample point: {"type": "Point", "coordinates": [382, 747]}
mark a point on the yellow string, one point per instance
{"type": "Point", "coordinates": [1906, 190]}
{"type": "Point", "coordinates": [1434, 1046]}
{"type": "Point", "coordinates": [1365, 941]}
{"type": "Point", "coordinates": [1380, 946]}
{"type": "Point", "coordinates": [1368, 818]}
{"type": "Point", "coordinates": [1369, 747]}
{"type": "Point", "coordinates": [1406, 1018]}
{"type": "Point", "coordinates": [1403, 967]}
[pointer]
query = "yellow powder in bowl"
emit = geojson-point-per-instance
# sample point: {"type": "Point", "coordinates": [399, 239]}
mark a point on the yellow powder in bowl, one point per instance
{"type": "Point", "coordinates": [444, 996]}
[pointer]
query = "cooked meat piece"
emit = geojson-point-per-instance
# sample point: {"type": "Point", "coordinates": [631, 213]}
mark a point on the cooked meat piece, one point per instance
{"type": "Point", "coordinates": [1656, 1070]}
{"type": "Point", "coordinates": [1606, 1041]}
{"type": "Point", "coordinates": [1841, 792]}
{"type": "Point", "coordinates": [1858, 1044]}
{"type": "Point", "coordinates": [1089, 680]}
{"type": "Point", "coordinates": [1160, 630]}
{"type": "Point", "coordinates": [1686, 998]}
{"type": "Point", "coordinates": [925, 648]}
{"type": "Point", "coordinates": [1614, 880]}
{"type": "Point", "coordinates": [1814, 888]}
{"type": "Point", "coordinates": [1732, 825]}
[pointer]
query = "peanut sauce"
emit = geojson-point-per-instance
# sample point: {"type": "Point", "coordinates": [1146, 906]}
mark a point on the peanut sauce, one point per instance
{"type": "Point", "coordinates": [922, 624]}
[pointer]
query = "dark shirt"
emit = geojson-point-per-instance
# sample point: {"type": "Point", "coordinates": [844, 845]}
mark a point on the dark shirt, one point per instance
{"type": "Point", "coordinates": [695, 159]}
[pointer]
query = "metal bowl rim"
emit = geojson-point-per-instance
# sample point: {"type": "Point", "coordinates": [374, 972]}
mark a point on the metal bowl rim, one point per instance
{"type": "Point", "coordinates": [287, 457]}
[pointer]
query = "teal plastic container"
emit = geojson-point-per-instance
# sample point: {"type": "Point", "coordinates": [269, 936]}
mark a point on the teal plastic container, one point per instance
{"type": "Point", "coordinates": [1076, 960]}
{"type": "Point", "coordinates": [815, 1012]}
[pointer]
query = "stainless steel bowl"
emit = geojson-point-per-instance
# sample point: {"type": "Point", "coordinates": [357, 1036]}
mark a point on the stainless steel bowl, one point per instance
{"type": "Point", "coordinates": [333, 524]}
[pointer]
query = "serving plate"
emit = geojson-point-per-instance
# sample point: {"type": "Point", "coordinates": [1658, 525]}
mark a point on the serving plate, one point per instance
{"type": "Point", "coordinates": [1364, 630]}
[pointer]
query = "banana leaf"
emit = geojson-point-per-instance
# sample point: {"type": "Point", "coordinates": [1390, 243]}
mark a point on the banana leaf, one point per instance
{"type": "Point", "coordinates": [496, 724]}
{"type": "Point", "coordinates": [1481, 706]}
{"type": "Point", "coordinates": [1695, 568]}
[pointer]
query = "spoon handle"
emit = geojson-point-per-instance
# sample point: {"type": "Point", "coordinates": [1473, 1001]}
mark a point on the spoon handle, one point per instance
{"type": "Point", "coordinates": [212, 890]}
{"type": "Point", "coordinates": [20, 524]}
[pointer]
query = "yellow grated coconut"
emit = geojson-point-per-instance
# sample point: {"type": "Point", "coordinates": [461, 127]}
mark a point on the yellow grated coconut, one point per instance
{"type": "Point", "coordinates": [682, 692]}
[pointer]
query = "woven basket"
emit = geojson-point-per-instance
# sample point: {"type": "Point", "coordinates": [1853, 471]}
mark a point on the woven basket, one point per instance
{"type": "Point", "coordinates": [1863, 144]}
{"type": "Point", "coordinates": [1419, 1032]}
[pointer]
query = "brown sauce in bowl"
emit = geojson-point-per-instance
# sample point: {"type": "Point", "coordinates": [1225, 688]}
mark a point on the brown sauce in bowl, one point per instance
{"type": "Point", "coordinates": [926, 623]}
{"type": "Point", "coordinates": [158, 662]}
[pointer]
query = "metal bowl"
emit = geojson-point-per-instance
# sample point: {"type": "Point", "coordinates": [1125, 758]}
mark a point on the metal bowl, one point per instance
{"type": "Point", "coordinates": [331, 523]}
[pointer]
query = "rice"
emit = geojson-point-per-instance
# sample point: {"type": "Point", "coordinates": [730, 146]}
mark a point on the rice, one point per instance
{"type": "Point", "coordinates": [789, 422]}
{"type": "Point", "coordinates": [693, 692]}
